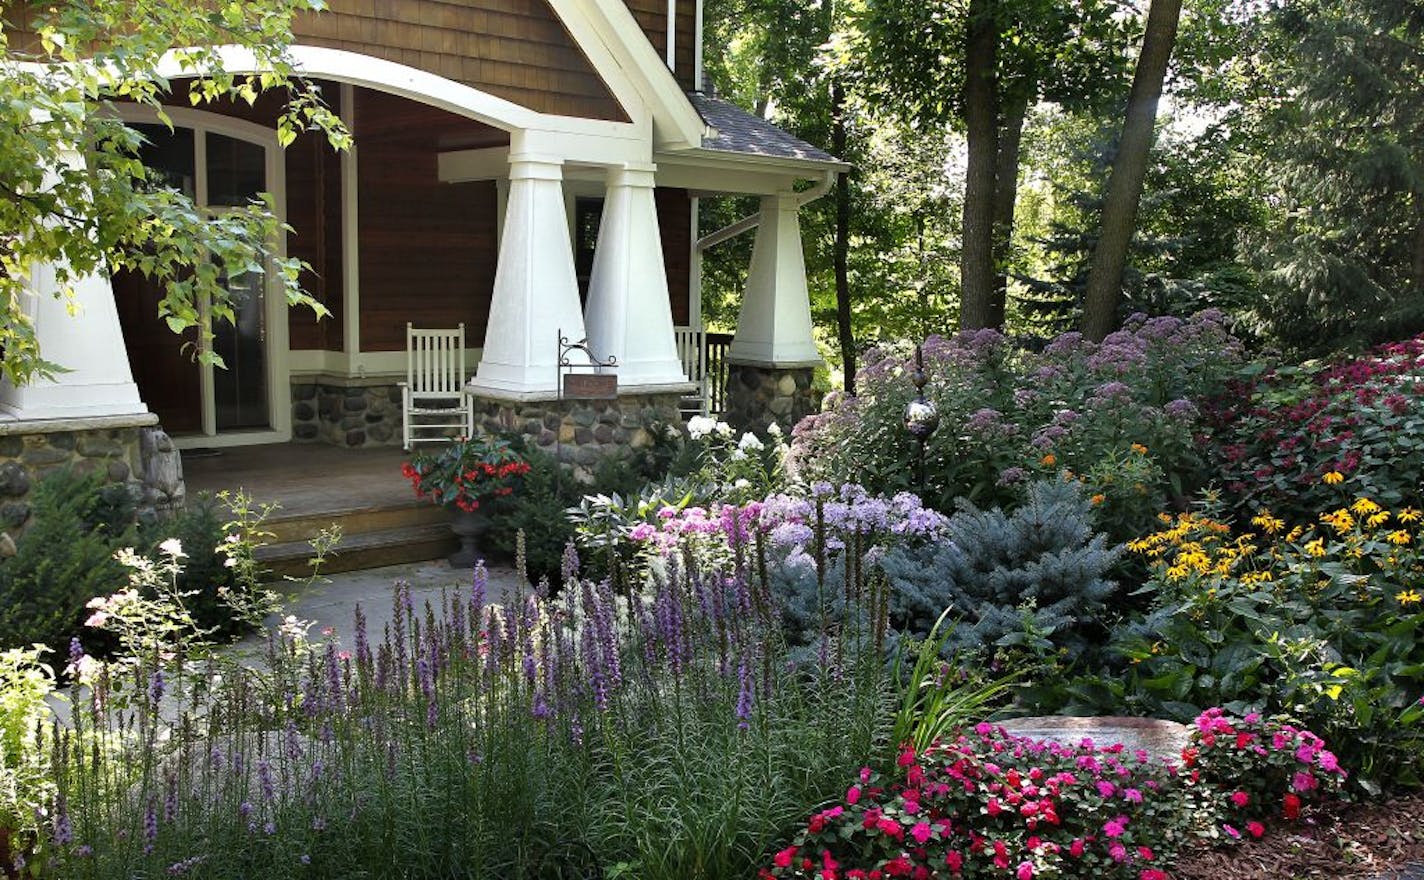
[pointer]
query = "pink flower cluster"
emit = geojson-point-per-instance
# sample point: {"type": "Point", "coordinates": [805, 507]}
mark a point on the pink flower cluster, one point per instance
{"type": "Point", "coordinates": [1261, 768]}
{"type": "Point", "coordinates": [990, 804]}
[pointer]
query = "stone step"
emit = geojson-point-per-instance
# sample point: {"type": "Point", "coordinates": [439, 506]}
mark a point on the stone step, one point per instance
{"type": "Point", "coordinates": [364, 549]}
{"type": "Point", "coordinates": [299, 527]}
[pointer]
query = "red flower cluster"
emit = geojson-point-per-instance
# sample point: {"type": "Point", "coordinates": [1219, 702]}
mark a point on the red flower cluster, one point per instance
{"type": "Point", "coordinates": [467, 473]}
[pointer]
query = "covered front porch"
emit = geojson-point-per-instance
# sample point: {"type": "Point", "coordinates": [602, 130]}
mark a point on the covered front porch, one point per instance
{"type": "Point", "coordinates": [455, 208]}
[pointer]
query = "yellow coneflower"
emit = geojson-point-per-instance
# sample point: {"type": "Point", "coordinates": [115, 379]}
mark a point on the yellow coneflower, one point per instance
{"type": "Point", "coordinates": [1268, 522]}
{"type": "Point", "coordinates": [1333, 478]}
{"type": "Point", "coordinates": [1408, 597]}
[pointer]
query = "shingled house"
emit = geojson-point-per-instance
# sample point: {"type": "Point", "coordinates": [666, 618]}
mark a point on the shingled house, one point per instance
{"type": "Point", "coordinates": [522, 167]}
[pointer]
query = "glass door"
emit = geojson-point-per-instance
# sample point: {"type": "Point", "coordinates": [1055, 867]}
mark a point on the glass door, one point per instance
{"type": "Point", "coordinates": [219, 172]}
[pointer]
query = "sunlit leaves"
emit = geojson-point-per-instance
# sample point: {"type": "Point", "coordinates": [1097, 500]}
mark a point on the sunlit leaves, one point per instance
{"type": "Point", "coordinates": [73, 194]}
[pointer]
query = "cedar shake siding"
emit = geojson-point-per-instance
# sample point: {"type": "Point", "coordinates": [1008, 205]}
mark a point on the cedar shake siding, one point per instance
{"type": "Point", "coordinates": [427, 249]}
{"type": "Point", "coordinates": [515, 49]}
{"type": "Point", "coordinates": [652, 18]}
{"type": "Point", "coordinates": [675, 229]}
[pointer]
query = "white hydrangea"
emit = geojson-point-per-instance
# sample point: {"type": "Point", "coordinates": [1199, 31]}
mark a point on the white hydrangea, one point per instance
{"type": "Point", "coordinates": [701, 426]}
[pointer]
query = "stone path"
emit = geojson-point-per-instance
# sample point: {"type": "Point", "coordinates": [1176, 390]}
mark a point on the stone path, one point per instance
{"type": "Point", "coordinates": [332, 602]}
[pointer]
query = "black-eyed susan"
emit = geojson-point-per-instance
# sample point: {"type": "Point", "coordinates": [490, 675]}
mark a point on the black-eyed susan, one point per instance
{"type": "Point", "coordinates": [1333, 478]}
{"type": "Point", "coordinates": [1400, 537]}
{"type": "Point", "coordinates": [1408, 597]}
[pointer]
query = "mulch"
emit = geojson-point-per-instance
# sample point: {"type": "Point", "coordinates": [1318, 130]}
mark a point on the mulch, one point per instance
{"type": "Point", "coordinates": [1362, 841]}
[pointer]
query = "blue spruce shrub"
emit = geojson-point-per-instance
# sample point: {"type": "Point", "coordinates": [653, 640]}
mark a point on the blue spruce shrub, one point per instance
{"type": "Point", "coordinates": [1038, 572]}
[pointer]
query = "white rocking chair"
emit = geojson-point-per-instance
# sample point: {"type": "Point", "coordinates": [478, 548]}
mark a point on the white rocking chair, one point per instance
{"type": "Point", "coordinates": [433, 397]}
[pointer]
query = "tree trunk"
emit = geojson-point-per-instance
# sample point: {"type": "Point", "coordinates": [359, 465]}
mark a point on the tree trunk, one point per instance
{"type": "Point", "coordinates": [841, 248]}
{"type": "Point", "coordinates": [1416, 265]}
{"type": "Point", "coordinates": [981, 119]}
{"type": "Point", "coordinates": [1006, 191]}
{"type": "Point", "coordinates": [1129, 170]}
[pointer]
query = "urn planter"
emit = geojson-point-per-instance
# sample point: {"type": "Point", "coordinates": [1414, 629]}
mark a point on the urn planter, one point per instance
{"type": "Point", "coordinates": [468, 526]}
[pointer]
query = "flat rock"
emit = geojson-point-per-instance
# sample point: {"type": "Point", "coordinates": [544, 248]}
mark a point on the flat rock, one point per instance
{"type": "Point", "coordinates": [1163, 740]}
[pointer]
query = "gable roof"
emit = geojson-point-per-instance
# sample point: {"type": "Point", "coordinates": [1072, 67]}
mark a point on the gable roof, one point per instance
{"type": "Point", "coordinates": [738, 132]}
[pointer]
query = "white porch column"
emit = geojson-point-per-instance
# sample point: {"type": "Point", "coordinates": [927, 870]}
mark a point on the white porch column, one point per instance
{"type": "Point", "coordinates": [774, 327]}
{"type": "Point", "coordinates": [628, 314]}
{"type": "Point", "coordinates": [88, 342]}
{"type": "Point", "coordinates": [535, 288]}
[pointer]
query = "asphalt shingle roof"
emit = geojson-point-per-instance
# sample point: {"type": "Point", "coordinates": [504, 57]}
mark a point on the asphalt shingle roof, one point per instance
{"type": "Point", "coordinates": [741, 132]}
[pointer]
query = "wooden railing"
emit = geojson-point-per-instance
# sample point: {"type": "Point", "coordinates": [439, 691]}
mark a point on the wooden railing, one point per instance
{"type": "Point", "coordinates": [704, 357]}
{"type": "Point", "coordinates": [717, 345]}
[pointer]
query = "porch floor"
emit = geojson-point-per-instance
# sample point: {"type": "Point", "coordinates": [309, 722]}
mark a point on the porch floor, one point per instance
{"type": "Point", "coordinates": [303, 478]}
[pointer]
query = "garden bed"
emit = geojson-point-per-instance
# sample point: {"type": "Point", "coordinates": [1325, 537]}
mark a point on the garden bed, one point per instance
{"type": "Point", "coordinates": [1348, 842]}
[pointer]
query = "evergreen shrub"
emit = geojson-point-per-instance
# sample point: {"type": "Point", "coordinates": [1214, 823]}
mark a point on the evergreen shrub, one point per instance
{"type": "Point", "coordinates": [63, 560]}
{"type": "Point", "coordinates": [1034, 578]}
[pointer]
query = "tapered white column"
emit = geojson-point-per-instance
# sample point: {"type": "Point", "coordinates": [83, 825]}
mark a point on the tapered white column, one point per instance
{"type": "Point", "coordinates": [535, 288]}
{"type": "Point", "coordinates": [81, 333]}
{"type": "Point", "coordinates": [628, 314]}
{"type": "Point", "coordinates": [774, 328]}
{"type": "Point", "coordinates": [83, 336]}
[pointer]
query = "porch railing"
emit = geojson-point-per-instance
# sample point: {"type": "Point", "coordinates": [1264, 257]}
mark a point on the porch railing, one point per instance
{"type": "Point", "coordinates": [704, 357]}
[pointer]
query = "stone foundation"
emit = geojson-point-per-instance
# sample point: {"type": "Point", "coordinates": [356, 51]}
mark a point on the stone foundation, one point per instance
{"type": "Point", "coordinates": [758, 396]}
{"type": "Point", "coordinates": [351, 414]}
{"type": "Point", "coordinates": [129, 450]}
{"type": "Point", "coordinates": [581, 432]}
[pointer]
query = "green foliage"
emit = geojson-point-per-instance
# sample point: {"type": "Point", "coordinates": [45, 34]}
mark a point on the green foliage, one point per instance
{"type": "Point", "coordinates": [1278, 433]}
{"type": "Point", "coordinates": [544, 507]}
{"type": "Point", "coordinates": [1325, 98]}
{"type": "Point", "coordinates": [1033, 580]}
{"type": "Point", "coordinates": [62, 561]}
{"type": "Point", "coordinates": [76, 196]}
{"type": "Point", "coordinates": [937, 699]}
{"type": "Point", "coordinates": [26, 787]}
{"type": "Point", "coordinates": [1318, 623]}
{"type": "Point", "coordinates": [206, 580]}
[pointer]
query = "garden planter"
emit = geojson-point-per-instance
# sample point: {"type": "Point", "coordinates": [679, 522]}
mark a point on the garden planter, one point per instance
{"type": "Point", "coordinates": [468, 526]}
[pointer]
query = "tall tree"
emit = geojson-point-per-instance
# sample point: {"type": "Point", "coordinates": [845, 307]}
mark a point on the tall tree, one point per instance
{"type": "Point", "coordinates": [1129, 170]}
{"type": "Point", "coordinates": [982, 69]}
{"type": "Point", "coordinates": [981, 125]}
{"type": "Point", "coordinates": [1337, 117]}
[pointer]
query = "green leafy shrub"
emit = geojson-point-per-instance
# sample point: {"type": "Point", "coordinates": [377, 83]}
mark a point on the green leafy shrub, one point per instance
{"type": "Point", "coordinates": [1277, 435]}
{"type": "Point", "coordinates": [1321, 624]}
{"type": "Point", "coordinates": [548, 492]}
{"type": "Point", "coordinates": [1034, 578]}
{"type": "Point", "coordinates": [206, 577]}
{"type": "Point", "coordinates": [62, 561]}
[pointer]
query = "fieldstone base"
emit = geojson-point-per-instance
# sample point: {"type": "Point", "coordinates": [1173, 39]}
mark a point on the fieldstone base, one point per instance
{"type": "Point", "coordinates": [350, 415]}
{"type": "Point", "coordinates": [582, 432]}
{"type": "Point", "coordinates": [758, 396]}
{"type": "Point", "coordinates": [132, 451]}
